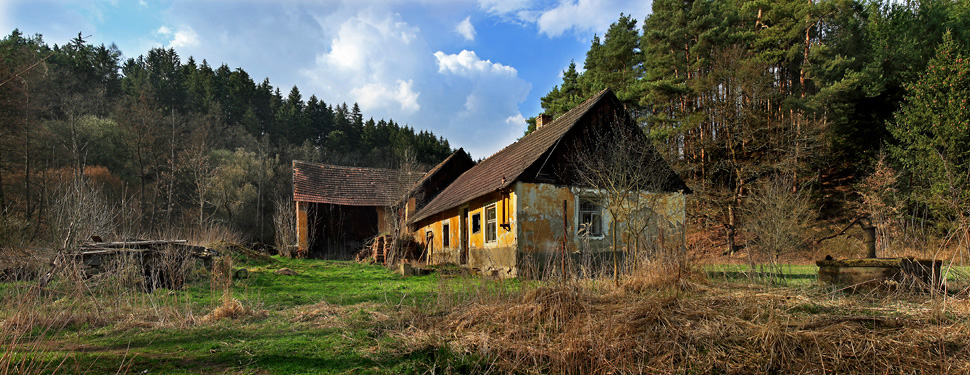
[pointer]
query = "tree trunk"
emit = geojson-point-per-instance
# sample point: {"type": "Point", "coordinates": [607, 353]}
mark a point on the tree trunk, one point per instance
{"type": "Point", "coordinates": [732, 220]}
{"type": "Point", "coordinates": [616, 262]}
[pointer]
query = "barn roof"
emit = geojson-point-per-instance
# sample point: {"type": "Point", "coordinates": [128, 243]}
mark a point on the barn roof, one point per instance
{"type": "Point", "coordinates": [456, 157]}
{"type": "Point", "coordinates": [349, 186]}
{"type": "Point", "coordinates": [503, 168]}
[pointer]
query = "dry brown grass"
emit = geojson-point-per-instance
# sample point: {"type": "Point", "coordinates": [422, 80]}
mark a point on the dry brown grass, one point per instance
{"type": "Point", "coordinates": [221, 281]}
{"type": "Point", "coordinates": [230, 308]}
{"type": "Point", "coordinates": [665, 325]}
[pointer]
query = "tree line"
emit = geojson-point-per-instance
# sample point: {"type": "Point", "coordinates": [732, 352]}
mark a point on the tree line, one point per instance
{"type": "Point", "coordinates": [171, 144]}
{"type": "Point", "coordinates": [823, 95]}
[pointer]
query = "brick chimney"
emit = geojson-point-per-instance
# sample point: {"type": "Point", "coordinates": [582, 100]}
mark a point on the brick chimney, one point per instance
{"type": "Point", "coordinates": [542, 120]}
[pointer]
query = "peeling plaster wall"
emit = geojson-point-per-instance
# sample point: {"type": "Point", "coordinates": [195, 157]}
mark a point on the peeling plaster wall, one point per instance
{"type": "Point", "coordinates": [534, 236]}
{"type": "Point", "coordinates": [540, 230]}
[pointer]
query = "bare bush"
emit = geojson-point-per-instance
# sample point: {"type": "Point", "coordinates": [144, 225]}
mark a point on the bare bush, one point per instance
{"type": "Point", "coordinates": [284, 220]}
{"type": "Point", "coordinates": [395, 215]}
{"type": "Point", "coordinates": [776, 218]}
{"type": "Point", "coordinates": [882, 205]}
{"type": "Point", "coordinates": [78, 211]}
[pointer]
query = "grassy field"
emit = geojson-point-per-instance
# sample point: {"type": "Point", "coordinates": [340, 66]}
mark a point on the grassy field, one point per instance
{"type": "Point", "coordinates": [327, 318]}
{"type": "Point", "coordinates": [342, 317]}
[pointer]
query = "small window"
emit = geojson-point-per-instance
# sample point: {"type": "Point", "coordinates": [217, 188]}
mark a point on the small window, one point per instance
{"type": "Point", "coordinates": [445, 235]}
{"type": "Point", "coordinates": [491, 224]}
{"type": "Point", "coordinates": [476, 223]}
{"type": "Point", "coordinates": [590, 217]}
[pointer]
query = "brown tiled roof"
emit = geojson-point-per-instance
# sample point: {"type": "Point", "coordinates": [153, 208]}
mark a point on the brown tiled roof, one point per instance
{"type": "Point", "coordinates": [349, 186]}
{"type": "Point", "coordinates": [454, 155]}
{"type": "Point", "coordinates": [501, 170]}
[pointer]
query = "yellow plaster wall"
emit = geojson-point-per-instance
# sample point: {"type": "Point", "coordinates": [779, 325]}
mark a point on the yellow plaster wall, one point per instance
{"type": "Point", "coordinates": [490, 257]}
{"type": "Point", "coordinates": [534, 213]}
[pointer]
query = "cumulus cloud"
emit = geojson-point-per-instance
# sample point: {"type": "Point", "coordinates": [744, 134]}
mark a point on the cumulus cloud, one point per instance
{"type": "Point", "coordinates": [518, 119]}
{"type": "Point", "coordinates": [184, 37]}
{"type": "Point", "coordinates": [466, 63]}
{"type": "Point", "coordinates": [466, 29]}
{"type": "Point", "coordinates": [382, 62]}
{"type": "Point", "coordinates": [377, 94]}
{"type": "Point", "coordinates": [371, 59]}
{"type": "Point", "coordinates": [492, 92]}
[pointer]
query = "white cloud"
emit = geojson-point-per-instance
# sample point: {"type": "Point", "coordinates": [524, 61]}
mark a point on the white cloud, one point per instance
{"type": "Point", "coordinates": [383, 63]}
{"type": "Point", "coordinates": [376, 94]}
{"type": "Point", "coordinates": [466, 63]}
{"type": "Point", "coordinates": [517, 120]}
{"type": "Point", "coordinates": [578, 16]}
{"type": "Point", "coordinates": [184, 37]}
{"type": "Point", "coordinates": [371, 59]}
{"type": "Point", "coordinates": [466, 29]}
{"type": "Point", "coordinates": [491, 94]}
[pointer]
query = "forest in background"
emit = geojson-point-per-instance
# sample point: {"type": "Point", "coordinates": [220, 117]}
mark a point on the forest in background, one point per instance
{"type": "Point", "coordinates": [780, 115]}
{"type": "Point", "coordinates": [92, 143]}
{"type": "Point", "coordinates": [787, 115]}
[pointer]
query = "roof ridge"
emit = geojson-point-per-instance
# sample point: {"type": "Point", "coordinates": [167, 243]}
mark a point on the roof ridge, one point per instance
{"type": "Point", "coordinates": [490, 175]}
{"type": "Point", "coordinates": [348, 167]}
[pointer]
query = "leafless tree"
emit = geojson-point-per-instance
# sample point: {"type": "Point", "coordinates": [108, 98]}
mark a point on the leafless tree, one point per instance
{"type": "Point", "coordinates": [285, 221]}
{"type": "Point", "coordinates": [396, 214]}
{"type": "Point", "coordinates": [777, 219]}
{"type": "Point", "coordinates": [622, 167]}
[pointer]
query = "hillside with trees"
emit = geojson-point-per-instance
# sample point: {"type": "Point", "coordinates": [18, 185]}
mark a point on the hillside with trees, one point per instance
{"type": "Point", "coordinates": [161, 142]}
{"type": "Point", "coordinates": [858, 107]}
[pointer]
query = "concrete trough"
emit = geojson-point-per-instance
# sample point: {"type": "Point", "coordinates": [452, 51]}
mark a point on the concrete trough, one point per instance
{"type": "Point", "coordinates": [879, 273]}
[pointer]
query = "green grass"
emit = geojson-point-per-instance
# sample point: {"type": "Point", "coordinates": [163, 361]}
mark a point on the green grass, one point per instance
{"type": "Point", "coordinates": [804, 274]}
{"type": "Point", "coordinates": [357, 332]}
{"type": "Point", "coordinates": [790, 274]}
{"type": "Point", "coordinates": [270, 342]}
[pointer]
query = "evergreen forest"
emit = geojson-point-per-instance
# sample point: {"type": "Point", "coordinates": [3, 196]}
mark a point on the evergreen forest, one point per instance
{"type": "Point", "coordinates": [855, 108]}
{"type": "Point", "coordinates": [161, 142]}
{"type": "Point", "coordinates": [775, 112]}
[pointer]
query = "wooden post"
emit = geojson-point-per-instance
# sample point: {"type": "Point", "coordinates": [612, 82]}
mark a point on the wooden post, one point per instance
{"type": "Point", "coordinates": [302, 227]}
{"type": "Point", "coordinates": [869, 237]}
{"type": "Point", "coordinates": [565, 231]}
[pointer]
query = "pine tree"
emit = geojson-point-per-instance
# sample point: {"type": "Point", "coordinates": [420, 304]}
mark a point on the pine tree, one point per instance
{"type": "Point", "coordinates": [932, 133]}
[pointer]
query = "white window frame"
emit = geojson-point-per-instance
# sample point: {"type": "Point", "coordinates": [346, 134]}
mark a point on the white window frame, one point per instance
{"type": "Point", "coordinates": [491, 224]}
{"type": "Point", "coordinates": [593, 214]}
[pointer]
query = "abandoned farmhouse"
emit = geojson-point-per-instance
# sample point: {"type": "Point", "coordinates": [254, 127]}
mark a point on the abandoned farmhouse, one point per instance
{"type": "Point", "coordinates": [514, 211]}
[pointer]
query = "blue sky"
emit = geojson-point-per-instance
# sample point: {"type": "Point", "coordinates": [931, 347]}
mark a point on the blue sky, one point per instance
{"type": "Point", "coordinates": [471, 71]}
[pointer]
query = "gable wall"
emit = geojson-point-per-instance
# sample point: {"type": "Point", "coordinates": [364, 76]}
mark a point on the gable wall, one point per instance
{"type": "Point", "coordinates": [541, 228]}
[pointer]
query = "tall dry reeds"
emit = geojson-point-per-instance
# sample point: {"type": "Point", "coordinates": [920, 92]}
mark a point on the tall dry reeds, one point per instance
{"type": "Point", "coordinates": [658, 324]}
{"type": "Point", "coordinates": [36, 313]}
